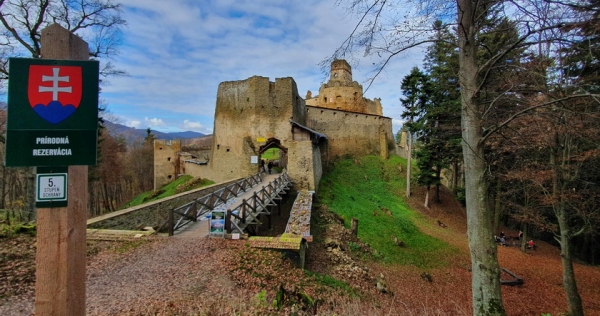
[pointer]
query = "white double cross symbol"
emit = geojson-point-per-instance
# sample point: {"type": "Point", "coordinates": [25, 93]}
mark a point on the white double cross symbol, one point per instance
{"type": "Point", "coordinates": [55, 89]}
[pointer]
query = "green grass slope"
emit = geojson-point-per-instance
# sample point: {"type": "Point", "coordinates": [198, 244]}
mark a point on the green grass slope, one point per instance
{"type": "Point", "coordinates": [181, 184]}
{"type": "Point", "coordinates": [371, 190]}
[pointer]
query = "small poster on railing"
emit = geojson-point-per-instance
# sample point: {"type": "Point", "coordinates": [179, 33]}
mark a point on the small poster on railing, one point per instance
{"type": "Point", "coordinates": [217, 223]}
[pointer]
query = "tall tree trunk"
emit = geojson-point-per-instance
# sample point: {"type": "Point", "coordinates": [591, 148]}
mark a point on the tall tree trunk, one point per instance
{"type": "Point", "coordinates": [408, 163]}
{"type": "Point", "coordinates": [524, 228]}
{"type": "Point", "coordinates": [426, 204]}
{"type": "Point", "coordinates": [569, 284]}
{"type": "Point", "coordinates": [438, 173]}
{"type": "Point", "coordinates": [485, 279]}
{"type": "Point", "coordinates": [497, 205]}
{"type": "Point", "coordinates": [3, 193]}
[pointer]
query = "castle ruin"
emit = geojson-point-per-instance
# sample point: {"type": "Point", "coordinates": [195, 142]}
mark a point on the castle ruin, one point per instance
{"type": "Point", "coordinates": [255, 114]}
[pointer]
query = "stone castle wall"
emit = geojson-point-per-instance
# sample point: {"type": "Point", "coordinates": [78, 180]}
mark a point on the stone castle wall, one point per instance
{"type": "Point", "coordinates": [352, 133]}
{"type": "Point", "coordinates": [166, 161]}
{"type": "Point", "coordinates": [255, 113]}
{"type": "Point", "coordinates": [249, 110]}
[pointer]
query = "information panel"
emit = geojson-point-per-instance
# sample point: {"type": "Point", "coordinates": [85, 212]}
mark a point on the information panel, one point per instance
{"type": "Point", "coordinates": [52, 112]}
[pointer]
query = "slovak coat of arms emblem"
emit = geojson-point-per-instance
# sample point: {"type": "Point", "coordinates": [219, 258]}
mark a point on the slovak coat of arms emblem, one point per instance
{"type": "Point", "coordinates": [54, 92]}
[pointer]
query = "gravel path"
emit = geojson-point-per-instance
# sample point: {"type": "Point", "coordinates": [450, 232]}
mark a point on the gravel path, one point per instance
{"type": "Point", "coordinates": [151, 277]}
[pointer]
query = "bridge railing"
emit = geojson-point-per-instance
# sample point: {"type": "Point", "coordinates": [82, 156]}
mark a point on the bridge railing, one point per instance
{"type": "Point", "coordinates": [247, 212]}
{"type": "Point", "coordinates": [184, 215]}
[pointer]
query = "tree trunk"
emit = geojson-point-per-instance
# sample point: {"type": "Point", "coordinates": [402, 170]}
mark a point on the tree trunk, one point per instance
{"type": "Point", "coordinates": [438, 172]}
{"type": "Point", "coordinates": [487, 297]}
{"type": "Point", "coordinates": [497, 206]}
{"type": "Point", "coordinates": [569, 284]}
{"type": "Point", "coordinates": [3, 197]}
{"type": "Point", "coordinates": [426, 204]}
{"type": "Point", "coordinates": [408, 163]}
{"type": "Point", "coordinates": [524, 228]}
{"type": "Point", "coordinates": [455, 177]}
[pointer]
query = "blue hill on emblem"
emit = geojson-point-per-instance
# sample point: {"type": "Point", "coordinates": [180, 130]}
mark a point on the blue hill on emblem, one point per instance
{"type": "Point", "coordinates": [55, 112]}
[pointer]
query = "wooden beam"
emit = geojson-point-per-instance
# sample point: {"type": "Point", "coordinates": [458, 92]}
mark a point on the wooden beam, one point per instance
{"type": "Point", "coordinates": [61, 232]}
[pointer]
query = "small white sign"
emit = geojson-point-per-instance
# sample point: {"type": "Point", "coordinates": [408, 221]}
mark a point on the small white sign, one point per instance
{"type": "Point", "coordinates": [51, 187]}
{"type": "Point", "coordinates": [253, 159]}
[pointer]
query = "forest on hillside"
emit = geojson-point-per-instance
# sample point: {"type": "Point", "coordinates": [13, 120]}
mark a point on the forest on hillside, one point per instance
{"type": "Point", "coordinates": [507, 98]}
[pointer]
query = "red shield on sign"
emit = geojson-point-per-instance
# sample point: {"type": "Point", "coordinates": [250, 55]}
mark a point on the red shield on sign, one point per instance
{"type": "Point", "coordinates": [54, 92]}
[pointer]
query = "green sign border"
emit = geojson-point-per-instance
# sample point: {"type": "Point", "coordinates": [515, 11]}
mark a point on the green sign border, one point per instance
{"type": "Point", "coordinates": [24, 126]}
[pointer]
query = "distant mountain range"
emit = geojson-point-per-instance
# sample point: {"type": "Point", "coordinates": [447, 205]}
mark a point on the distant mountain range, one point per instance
{"type": "Point", "coordinates": [133, 134]}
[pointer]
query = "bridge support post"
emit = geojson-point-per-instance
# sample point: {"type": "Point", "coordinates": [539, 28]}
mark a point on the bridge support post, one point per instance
{"type": "Point", "coordinates": [270, 216]}
{"type": "Point", "coordinates": [171, 222]}
{"type": "Point", "coordinates": [228, 222]}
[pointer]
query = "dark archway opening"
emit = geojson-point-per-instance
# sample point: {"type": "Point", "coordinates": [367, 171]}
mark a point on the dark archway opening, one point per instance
{"type": "Point", "coordinates": [274, 155]}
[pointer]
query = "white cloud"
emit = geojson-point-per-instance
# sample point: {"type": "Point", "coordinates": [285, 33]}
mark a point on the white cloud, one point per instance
{"type": "Point", "coordinates": [154, 121]}
{"type": "Point", "coordinates": [133, 123]}
{"type": "Point", "coordinates": [189, 125]}
{"type": "Point", "coordinates": [177, 52]}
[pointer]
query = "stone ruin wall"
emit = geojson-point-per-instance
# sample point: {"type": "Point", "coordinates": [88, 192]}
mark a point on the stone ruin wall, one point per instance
{"type": "Point", "coordinates": [247, 110]}
{"type": "Point", "coordinates": [257, 108]}
{"type": "Point", "coordinates": [352, 133]}
{"type": "Point", "coordinates": [166, 161]}
{"type": "Point", "coordinates": [345, 98]}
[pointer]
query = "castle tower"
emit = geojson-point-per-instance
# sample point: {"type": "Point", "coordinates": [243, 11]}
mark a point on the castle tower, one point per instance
{"type": "Point", "coordinates": [341, 93]}
{"type": "Point", "coordinates": [341, 72]}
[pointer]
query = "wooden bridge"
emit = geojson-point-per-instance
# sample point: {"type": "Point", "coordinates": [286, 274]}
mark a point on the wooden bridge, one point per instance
{"type": "Point", "coordinates": [245, 203]}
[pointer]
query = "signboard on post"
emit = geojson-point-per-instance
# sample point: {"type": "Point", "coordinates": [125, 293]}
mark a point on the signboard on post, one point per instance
{"type": "Point", "coordinates": [51, 184]}
{"type": "Point", "coordinates": [217, 223]}
{"type": "Point", "coordinates": [52, 112]}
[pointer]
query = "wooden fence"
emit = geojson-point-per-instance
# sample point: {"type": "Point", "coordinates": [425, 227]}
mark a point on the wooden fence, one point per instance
{"type": "Point", "coordinates": [182, 216]}
{"type": "Point", "coordinates": [247, 213]}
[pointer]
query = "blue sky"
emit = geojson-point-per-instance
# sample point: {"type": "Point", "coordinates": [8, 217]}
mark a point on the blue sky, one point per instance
{"type": "Point", "coordinates": [177, 52]}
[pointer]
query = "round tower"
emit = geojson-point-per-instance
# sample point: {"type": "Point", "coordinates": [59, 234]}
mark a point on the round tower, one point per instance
{"type": "Point", "coordinates": [341, 71]}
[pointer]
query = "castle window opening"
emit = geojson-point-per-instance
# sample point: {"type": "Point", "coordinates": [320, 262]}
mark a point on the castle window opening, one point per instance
{"type": "Point", "coordinates": [168, 158]}
{"type": "Point", "coordinates": [160, 148]}
{"type": "Point", "coordinates": [218, 146]}
{"type": "Point", "coordinates": [170, 176]}
{"type": "Point", "coordinates": [168, 143]}
{"type": "Point", "coordinates": [227, 149]}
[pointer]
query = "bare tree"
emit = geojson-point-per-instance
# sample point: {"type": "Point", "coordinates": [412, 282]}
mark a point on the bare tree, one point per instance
{"type": "Point", "coordinates": [98, 22]}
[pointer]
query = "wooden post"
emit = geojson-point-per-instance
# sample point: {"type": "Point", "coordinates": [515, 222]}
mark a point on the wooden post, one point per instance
{"type": "Point", "coordinates": [61, 232]}
{"type": "Point", "coordinates": [354, 227]}
{"type": "Point", "coordinates": [171, 222]}
{"type": "Point", "coordinates": [228, 221]}
{"type": "Point", "coordinates": [270, 216]}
